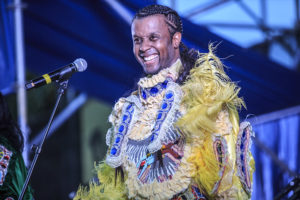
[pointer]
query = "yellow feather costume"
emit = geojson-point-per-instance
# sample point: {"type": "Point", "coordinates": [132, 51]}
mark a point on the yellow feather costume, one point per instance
{"type": "Point", "coordinates": [209, 94]}
{"type": "Point", "coordinates": [210, 128]}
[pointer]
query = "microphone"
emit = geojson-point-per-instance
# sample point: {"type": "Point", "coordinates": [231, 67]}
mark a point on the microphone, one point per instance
{"type": "Point", "coordinates": [63, 73]}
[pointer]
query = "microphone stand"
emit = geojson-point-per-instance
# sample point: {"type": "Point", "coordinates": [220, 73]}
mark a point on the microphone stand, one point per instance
{"type": "Point", "coordinates": [63, 84]}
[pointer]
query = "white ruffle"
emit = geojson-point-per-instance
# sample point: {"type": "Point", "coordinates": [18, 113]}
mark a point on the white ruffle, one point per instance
{"type": "Point", "coordinates": [172, 72]}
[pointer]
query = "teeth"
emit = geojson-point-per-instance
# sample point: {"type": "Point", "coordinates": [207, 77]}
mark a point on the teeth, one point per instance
{"type": "Point", "coordinates": [150, 57]}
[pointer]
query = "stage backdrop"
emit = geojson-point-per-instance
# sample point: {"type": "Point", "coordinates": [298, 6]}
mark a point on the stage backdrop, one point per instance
{"type": "Point", "coordinates": [282, 138]}
{"type": "Point", "coordinates": [7, 65]}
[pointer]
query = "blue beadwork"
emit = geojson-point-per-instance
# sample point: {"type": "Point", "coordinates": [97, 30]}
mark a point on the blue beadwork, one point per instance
{"type": "Point", "coordinates": [164, 84]}
{"type": "Point", "coordinates": [159, 115]}
{"type": "Point", "coordinates": [244, 134]}
{"type": "Point", "coordinates": [125, 117]}
{"type": "Point", "coordinates": [113, 151]}
{"type": "Point", "coordinates": [129, 107]}
{"type": "Point", "coordinates": [169, 95]}
{"type": "Point", "coordinates": [152, 138]}
{"type": "Point", "coordinates": [153, 90]}
{"type": "Point", "coordinates": [146, 92]}
{"type": "Point", "coordinates": [164, 106]}
{"type": "Point", "coordinates": [162, 113]}
{"type": "Point", "coordinates": [242, 146]}
{"type": "Point", "coordinates": [122, 130]}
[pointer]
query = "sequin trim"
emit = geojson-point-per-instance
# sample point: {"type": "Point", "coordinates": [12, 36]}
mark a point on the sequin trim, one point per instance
{"type": "Point", "coordinates": [243, 148]}
{"type": "Point", "coordinates": [5, 156]}
{"type": "Point", "coordinates": [221, 153]}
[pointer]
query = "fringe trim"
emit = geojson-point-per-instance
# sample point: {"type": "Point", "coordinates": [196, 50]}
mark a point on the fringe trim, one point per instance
{"type": "Point", "coordinates": [244, 161]}
{"type": "Point", "coordinates": [136, 150]}
{"type": "Point", "coordinates": [160, 190]}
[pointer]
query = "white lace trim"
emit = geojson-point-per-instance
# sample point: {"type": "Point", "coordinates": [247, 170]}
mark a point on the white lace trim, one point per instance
{"type": "Point", "coordinates": [172, 72]}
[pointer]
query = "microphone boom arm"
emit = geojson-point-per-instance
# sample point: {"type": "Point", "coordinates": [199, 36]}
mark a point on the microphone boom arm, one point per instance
{"type": "Point", "coordinates": [63, 84]}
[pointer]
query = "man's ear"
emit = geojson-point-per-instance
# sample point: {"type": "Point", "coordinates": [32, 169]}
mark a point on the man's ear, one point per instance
{"type": "Point", "coordinates": [176, 40]}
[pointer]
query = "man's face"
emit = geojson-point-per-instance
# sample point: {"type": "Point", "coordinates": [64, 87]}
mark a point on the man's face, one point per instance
{"type": "Point", "coordinates": [152, 45]}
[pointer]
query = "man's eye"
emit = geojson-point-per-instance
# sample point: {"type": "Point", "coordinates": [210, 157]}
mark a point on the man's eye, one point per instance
{"type": "Point", "coordinates": [153, 38]}
{"type": "Point", "coordinates": [137, 40]}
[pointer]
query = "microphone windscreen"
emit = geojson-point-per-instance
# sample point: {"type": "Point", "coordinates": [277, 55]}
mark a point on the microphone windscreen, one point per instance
{"type": "Point", "coordinates": [80, 64]}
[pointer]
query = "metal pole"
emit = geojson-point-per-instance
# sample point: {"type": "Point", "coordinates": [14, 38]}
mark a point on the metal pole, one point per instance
{"type": "Point", "coordinates": [205, 8]}
{"type": "Point", "coordinates": [272, 116]}
{"type": "Point", "coordinates": [263, 8]}
{"type": "Point", "coordinates": [20, 69]}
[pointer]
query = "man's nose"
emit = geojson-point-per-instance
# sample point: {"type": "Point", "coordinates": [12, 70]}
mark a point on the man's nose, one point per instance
{"type": "Point", "coordinates": [144, 46]}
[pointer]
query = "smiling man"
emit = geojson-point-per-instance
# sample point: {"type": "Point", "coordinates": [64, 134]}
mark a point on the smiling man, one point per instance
{"type": "Point", "coordinates": [153, 46]}
{"type": "Point", "coordinates": [178, 136]}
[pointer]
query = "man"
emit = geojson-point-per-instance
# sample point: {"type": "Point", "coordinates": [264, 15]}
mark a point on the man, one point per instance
{"type": "Point", "coordinates": [177, 136]}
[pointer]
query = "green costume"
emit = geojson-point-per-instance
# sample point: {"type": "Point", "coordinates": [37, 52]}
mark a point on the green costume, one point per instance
{"type": "Point", "coordinates": [12, 172]}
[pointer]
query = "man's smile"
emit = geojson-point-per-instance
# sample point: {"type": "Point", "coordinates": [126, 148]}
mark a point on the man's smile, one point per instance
{"type": "Point", "coordinates": [149, 58]}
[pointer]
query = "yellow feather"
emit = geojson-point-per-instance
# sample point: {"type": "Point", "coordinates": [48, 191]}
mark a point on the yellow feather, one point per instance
{"type": "Point", "coordinates": [206, 166]}
{"type": "Point", "coordinates": [107, 189]}
{"type": "Point", "coordinates": [207, 91]}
